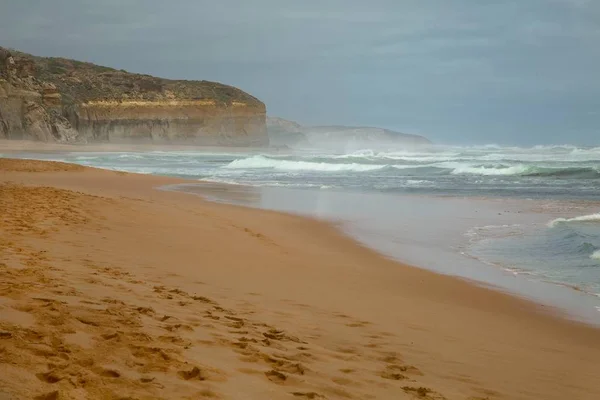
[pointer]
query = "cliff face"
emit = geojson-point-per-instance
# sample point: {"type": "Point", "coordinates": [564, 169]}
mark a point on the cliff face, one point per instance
{"type": "Point", "coordinates": [53, 99]}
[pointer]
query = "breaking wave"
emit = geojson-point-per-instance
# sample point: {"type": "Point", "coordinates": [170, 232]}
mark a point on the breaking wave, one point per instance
{"type": "Point", "coordinates": [368, 161]}
{"type": "Point", "coordinates": [262, 162]}
{"type": "Point", "coordinates": [485, 170]}
{"type": "Point", "coordinates": [582, 218]}
{"type": "Point", "coordinates": [527, 170]}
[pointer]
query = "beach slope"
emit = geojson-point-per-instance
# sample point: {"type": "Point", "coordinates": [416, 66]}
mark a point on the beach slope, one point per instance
{"type": "Point", "coordinates": [111, 289]}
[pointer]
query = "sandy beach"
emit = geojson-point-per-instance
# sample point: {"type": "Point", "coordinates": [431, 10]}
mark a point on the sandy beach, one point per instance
{"type": "Point", "coordinates": [111, 289]}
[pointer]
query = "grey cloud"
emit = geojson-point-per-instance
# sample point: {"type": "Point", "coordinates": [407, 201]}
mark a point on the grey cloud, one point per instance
{"type": "Point", "coordinates": [461, 71]}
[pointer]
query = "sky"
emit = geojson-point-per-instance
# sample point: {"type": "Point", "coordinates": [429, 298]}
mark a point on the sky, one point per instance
{"type": "Point", "coordinates": [517, 72]}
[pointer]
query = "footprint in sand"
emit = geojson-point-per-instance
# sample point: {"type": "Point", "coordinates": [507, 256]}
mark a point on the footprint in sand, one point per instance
{"type": "Point", "coordinates": [195, 373]}
{"type": "Point", "coordinates": [422, 392]}
{"type": "Point", "coordinates": [358, 324]}
{"type": "Point", "coordinates": [50, 377]}
{"type": "Point", "coordinates": [284, 365]}
{"type": "Point", "coordinates": [107, 373]}
{"type": "Point", "coordinates": [175, 340]}
{"type": "Point", "coordinates": [203, 299]}
{"type": "Point", "coordinates": [308, 395]}
{"type": "Point", "coordinates": [392, 375]}
{"type": "Point", "coordinates": [109, 336]}
{"type": "Point", "coordinates": [276, 376]}
{"type": "Point", "coordinates": [47, 396]}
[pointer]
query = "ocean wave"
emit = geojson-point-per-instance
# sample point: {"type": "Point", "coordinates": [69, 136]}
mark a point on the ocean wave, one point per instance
{"type": "Point", "coordinates": [582, 218]}
{"type": "Point", "coordinates": [155, 170]}
{"type": "Point", "coordinates": [585, 150]}
{"type": "Point", "coordinates": [262, 162]}
{"type": "Point", "coordinates": [266, 184]}
{"type": "Point", "coordinates": [358, 154]}
{"type": "Point", "coordinates": [485, 170]}
{"type": "Point", "coordinates": [411, 156]}
{"type": "Point", "coordinates": [86, 158]}
{"type": "Point", "coordinates": [221, 181]}
{"type": "Point", "coordinates": [127, 156]}
{"type": "Point", "coordinates": [583, 172]}
{"type": "Point", "coordinates": [107, 155]}
{"type": "Point", "coordinates": [417, 182]}
{"type": "Point", "coordinates": [547, 157]}
{"type": "Point", "coordinates": [554, 147]}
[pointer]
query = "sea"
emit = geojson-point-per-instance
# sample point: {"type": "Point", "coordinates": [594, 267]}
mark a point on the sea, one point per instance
{"type": "Point", "coordinates": [524, 220]}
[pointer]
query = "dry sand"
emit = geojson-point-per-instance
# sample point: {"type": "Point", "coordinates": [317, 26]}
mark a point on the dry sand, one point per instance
{"type": "Point", "coordinates": [110, 289]}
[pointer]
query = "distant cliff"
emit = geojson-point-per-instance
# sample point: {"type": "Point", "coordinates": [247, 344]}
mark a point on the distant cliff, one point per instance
{"type": "Point", "coordinates": [289, 133]}
{"type": "Point", "coordinates": [56, 99]}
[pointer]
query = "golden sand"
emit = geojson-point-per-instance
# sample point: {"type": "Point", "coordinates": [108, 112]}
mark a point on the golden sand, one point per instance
{"type": "Point", "coordinates": [110, 289]}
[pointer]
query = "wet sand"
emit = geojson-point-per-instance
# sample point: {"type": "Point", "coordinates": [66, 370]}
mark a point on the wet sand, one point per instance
{"type": "Point", "coordinates": [433, 232]}
{"type": "Point", "coordinates": [110, 288]}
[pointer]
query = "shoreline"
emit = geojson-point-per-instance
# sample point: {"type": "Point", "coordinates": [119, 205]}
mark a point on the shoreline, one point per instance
{"type": "Point", "coordinates": [449, 329]}
{"type": "Point", "coordinates": [574, 303]}
{"type": "Point", "coordinates": [25, 146]}
{"type": "Point", "coordinates": [566, 304]}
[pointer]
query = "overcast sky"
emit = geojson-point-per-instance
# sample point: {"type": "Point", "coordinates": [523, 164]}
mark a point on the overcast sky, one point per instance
{"type": "Point", "coordinates": [457, 71]}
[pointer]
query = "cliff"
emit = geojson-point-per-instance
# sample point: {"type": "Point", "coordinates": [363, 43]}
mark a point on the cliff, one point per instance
{"type": "Point", "coordinates": [56, 99]}
{"type": "Point", "coordinates": [289, 133]}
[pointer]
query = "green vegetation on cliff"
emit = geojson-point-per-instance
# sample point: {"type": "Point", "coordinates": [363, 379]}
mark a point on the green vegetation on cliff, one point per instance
{"type": "Point", "coordinates": [83, 81]}
{"type": "Point", "coordinates": [60, 99]}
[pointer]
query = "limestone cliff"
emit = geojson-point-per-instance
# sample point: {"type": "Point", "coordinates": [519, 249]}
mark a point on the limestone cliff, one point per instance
{"type": "Point", "coordinates": [56, 99]}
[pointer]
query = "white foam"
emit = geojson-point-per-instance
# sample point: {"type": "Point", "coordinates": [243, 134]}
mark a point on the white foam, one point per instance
{"type": "Point", "coordinates": [190, 172]}
{"type": "Point", "coordinates": [417, 182]}
{"type": "Point", "coordinates": [262, 162]}
{"type": "Point", "coordinates": [219, 180]}
{"type": "Point", "coordinates": [411, 156]}
{"type": "Point", "coordinates": [266, 184]}
{"type": "Point", "coordinates": [517, 271]}
{"type": "Point", "coordinates": [418, 158]}
{"type": "Point", "coordinates": [595, 255]}
{"type": "Point", "coordinates": [582, 218]}
{"type": "Point", "coordinates": [86, 158]}
{"type": "Point", "coordinates": [292, 185]}
{"type": "Point", "coordinates": [358, 153]}
{"type": "Point", "coordinates": [483, 170]}
{"type": "Point", "coordinates": [413, 166]}
{"type": "Point", "coordinates": [130, 156]}
{"type": "Point", "coordinates": [554, 147]}
{"type": "Point", "coordinates": [486, 232]}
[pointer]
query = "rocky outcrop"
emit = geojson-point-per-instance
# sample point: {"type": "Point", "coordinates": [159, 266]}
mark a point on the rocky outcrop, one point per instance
{"type": "Point", "coordinates": [283, 132]}
{"type": "Point", "coordinates": [289, 133]}
{"type": "Point", "coordinates": [29, 108]}
{"type": "Point", "coordinates": [55, 99]}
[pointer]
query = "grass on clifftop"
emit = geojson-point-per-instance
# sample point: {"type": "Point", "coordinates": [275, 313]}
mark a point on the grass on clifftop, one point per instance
{"type": "Point", "coordinates": [80, 81]}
